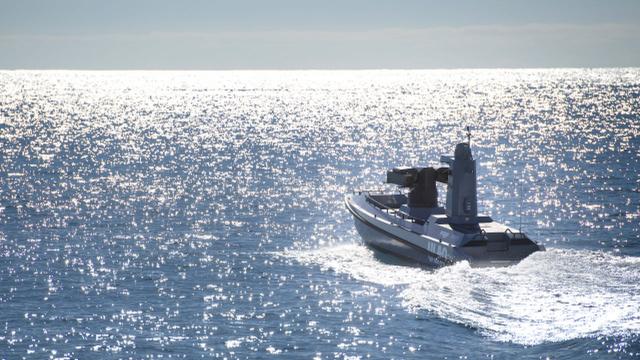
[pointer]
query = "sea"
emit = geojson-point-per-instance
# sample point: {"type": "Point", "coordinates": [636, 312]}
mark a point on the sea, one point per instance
{"type": "Point", "coordinates": [197, 214]}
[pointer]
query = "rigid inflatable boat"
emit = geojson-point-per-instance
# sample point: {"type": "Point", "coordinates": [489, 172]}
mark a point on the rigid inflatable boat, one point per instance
{"type": "Point", "coordinates": [412, 225]}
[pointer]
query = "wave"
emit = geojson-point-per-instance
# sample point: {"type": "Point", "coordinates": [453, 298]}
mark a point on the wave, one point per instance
{"type": "Point", "coordinates": [551, 296]}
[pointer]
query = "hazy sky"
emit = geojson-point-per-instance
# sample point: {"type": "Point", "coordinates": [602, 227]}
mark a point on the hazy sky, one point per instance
{"type": "Point", "coordinates": [323, 34]}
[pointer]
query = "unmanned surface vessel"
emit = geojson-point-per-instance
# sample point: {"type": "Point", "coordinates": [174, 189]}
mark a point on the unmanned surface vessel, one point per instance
{"type": "Point", "coordinates": [413, 226]}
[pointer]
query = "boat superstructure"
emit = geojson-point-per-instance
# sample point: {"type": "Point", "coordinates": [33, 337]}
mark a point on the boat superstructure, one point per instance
{"type": "Point", "coordinates": [414, 226]}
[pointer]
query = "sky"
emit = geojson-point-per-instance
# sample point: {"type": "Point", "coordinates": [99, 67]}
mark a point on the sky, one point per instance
{"type": "Point", "coordinates": [326, 34]}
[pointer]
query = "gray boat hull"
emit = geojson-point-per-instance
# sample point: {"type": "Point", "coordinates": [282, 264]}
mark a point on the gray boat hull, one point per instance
{"type": "Point", "coordinates": [387, 232]}
{"type": "Point", "coordinates": [380, 240]}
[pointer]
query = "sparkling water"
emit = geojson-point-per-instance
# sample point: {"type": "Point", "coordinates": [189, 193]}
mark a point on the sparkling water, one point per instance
{"type": "Point", "coordinates": [200, 214]}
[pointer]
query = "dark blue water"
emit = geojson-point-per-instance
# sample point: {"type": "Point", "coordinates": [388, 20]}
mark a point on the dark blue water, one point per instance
{"type": "Point", "coordinates": [199, 214]}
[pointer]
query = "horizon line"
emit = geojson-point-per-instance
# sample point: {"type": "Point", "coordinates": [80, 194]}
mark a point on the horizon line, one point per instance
{"type": "Point", "coordinates": [332, 69]}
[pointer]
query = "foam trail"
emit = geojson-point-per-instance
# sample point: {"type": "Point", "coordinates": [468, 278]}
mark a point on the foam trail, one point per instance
{"type": "Point", "coordinates": [551, 296]}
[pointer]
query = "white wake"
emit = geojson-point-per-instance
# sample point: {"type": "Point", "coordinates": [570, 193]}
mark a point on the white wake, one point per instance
{"type": "Point", "coordinates": [550, 296]}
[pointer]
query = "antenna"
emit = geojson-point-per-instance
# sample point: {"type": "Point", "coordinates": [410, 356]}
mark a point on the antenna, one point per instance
{"type": "Point", "coordinates": [520, 227]}
{"type": "Point", "coordinates": [469, 135]}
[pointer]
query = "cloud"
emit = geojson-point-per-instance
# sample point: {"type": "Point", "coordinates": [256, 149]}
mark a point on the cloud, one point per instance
{"type": "Point", "coordinates": [532, 45]}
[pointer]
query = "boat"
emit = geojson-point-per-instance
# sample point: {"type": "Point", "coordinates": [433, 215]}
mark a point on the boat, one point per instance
{"type": "Point", "coordinates": [409, 223]}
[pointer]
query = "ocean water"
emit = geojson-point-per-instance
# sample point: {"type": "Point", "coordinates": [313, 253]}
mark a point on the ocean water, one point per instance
{"type": "Point", "coordinates": [200, 214]}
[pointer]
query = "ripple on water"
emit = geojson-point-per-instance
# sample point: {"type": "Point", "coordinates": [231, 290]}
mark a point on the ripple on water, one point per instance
{"type": "Point", "coordinates": [139, 211]}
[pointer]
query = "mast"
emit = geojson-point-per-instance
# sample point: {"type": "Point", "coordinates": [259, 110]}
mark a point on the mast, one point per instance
{"type": "Point", "coordinates": [462, 196]}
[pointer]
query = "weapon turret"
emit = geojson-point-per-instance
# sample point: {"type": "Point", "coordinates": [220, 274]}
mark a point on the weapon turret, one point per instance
{"type": "Point", "coordinates": [421, 182]}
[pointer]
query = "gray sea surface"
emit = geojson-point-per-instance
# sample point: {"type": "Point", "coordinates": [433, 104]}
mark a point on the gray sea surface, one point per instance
{"type": "Point", "coordinates": [200, 214]}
